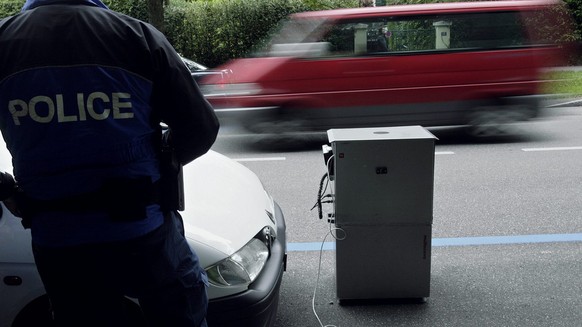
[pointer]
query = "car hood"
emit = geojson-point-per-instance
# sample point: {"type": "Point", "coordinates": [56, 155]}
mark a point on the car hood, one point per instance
{"type": "Point", "coordinates": [225, 206]}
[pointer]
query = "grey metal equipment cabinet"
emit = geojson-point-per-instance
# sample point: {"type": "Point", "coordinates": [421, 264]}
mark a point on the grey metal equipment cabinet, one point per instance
{"type": "Point", "coordinates": [383, 181]}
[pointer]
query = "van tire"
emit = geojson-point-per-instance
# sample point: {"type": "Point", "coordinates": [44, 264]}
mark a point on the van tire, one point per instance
{"type": "Point", "coordinates": [279, 122]}
{"type": "Point", "coordinates": [279, 126]}
{"type": "Point", "coordinates": [495, 120]}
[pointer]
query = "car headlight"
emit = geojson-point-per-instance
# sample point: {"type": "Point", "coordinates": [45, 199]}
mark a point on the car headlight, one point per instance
{"type": "Point", "coordinates": [230, 89]}
{"type": "Point", "coordinates": [244, 266]}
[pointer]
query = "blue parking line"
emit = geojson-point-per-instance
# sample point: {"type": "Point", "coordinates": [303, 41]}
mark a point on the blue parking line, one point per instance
{"type": "Point", "coordinates": [460, 241]}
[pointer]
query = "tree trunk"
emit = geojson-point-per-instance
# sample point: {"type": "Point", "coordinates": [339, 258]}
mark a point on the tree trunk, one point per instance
{"type": "Point", "coordinates": [156, 13]}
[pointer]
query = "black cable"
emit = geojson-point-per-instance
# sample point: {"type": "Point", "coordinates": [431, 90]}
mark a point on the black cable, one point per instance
{"type": "Point", "coordinates": [318, 204]}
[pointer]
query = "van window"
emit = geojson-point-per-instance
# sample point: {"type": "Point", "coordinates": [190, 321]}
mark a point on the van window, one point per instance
{"type": "Point", "coordinates": [348, 38]}
{"type": "Point", "coordinates": [395, 35]}
{"type": "Point", "coordinates": [485, 31]}
{"type": "Point", "coordinates": [427, 33]}
{"type": "Point", "coordinates": [399, 35]}
{"type": "Point", "coordinates": [296, 31]}
{"type": "Point", "coordinates": [295, 37]}
{"type": "Point", "coordinates": [455, 32]}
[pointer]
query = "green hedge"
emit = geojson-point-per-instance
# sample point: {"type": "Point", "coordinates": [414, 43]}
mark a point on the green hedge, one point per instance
{"type": "Point", "coordinates": [133, 8]}
{"type": "Point", "coordinates": [211, 32]}
{"type": "Point", "coordinates": [214, 31]}
{"type": "Point", "coordinates": [10, 7]}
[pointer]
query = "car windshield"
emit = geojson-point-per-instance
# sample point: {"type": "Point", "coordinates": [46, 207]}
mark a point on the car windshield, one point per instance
{"type": "Point", "coordinates": [5, 166]}
{"type": "Point", "coordinates": [293, 36]}
{"type": "Point", "coordinates": [193, 66]}
{"type": "Point", "coordinates": [5, 158]}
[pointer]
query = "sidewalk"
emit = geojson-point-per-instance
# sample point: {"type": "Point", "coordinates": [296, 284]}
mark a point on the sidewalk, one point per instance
{"type": "Point", "coordinates": [558, 102]}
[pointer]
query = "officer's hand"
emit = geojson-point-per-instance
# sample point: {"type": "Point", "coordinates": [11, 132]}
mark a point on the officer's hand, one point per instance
{"type": "Point", "coordinates": [10, 204]}
{"type": "Point", "coordinates": [8, 192]}
{"type": "Point", "coordinates": [8, 185]}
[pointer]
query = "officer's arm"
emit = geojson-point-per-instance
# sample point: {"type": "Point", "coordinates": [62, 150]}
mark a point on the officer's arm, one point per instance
{"type": "Point", "coordinates": [180, 104]}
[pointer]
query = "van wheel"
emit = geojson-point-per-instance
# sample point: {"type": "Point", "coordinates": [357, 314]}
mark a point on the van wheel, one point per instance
{"type": "Point", "coordinates": [275, 127]}
{"type": "Point", "coordinates": [280, 122]}
{"type": "Point", "coordinates": [496, 120]}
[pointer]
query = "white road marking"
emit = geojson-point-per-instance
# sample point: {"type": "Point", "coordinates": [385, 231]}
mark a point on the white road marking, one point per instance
{"type": "Point", "coordinates": [564, 148]}
{"type": "Point", "coordinates": [260, 159]}
{"type": "Point", "coordinates": [284, 158]}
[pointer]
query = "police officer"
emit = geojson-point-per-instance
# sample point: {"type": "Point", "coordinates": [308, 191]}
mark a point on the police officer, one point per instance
{"type": "Point", "coordinates": [83, 91]}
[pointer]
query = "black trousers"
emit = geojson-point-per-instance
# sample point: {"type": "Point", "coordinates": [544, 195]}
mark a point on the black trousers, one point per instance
{"type": "Point", "coordinates": [87, 284]}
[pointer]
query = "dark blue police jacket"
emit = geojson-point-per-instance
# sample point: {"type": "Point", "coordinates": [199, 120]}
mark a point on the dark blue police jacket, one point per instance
{"type": "Point", "coordinates": [83, 90]}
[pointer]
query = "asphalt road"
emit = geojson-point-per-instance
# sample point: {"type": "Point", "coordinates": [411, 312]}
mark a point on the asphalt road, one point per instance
{"type": "Point", "coordinates": [507, 229]}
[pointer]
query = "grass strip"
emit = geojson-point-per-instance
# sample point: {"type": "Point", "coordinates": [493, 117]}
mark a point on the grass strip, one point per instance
{"type": "Point", "coordinates": [564, 82]}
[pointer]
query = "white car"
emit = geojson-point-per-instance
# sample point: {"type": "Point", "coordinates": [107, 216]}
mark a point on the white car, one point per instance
{"type": "Point", "coordinates": [198, 70]}
{"type": "Point", "coordinates": [232, 223]}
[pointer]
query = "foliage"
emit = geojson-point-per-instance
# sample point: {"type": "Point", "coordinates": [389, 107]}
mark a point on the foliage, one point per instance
{"type": "Point", "coordinates": [10, 7]}
{"type": "Point", "coordinates": [212, 32]}
{"type": "Point", "coordinates": [329, 4]}
{"type": "Point", "coordinates": [133, 8]}
{"type": "Point", "coordinates": [575, 8]}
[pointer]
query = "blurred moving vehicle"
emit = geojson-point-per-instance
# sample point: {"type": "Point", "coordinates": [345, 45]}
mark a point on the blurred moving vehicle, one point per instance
{"type": "Point", "coordinates": [232, 223]}
{"type": "Point", "coordinates": [475, 63]}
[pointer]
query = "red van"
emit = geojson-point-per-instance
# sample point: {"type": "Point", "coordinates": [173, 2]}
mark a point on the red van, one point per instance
{"type": "Point", "coordinates": [475, 63]}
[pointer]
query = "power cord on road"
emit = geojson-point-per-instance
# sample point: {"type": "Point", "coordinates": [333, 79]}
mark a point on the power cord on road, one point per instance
{"type": "Point", "coordinates": [321, 198]}
{"type": "Point", "coordinates": [335, 236]}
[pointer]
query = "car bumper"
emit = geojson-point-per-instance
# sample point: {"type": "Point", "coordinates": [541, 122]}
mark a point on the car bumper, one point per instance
{"type": "Point", "coordinates": [257, 306]}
